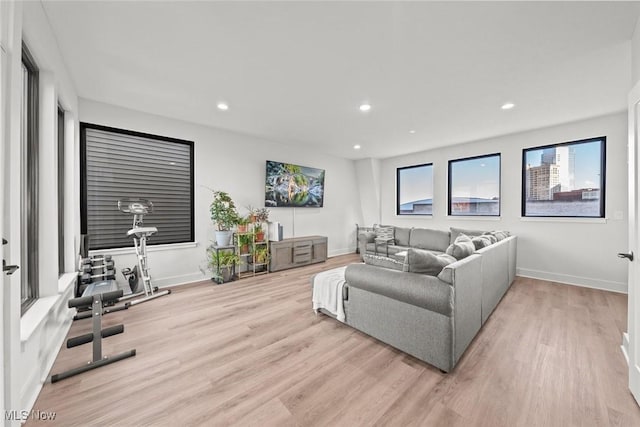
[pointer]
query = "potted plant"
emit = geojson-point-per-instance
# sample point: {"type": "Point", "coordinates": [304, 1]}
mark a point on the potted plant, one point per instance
{"type": "Point", "coordinates": [221, 264]}
{"type": "Point", "coordinates": [244, 240]}
{"type": "Point", "coordinates": [262, 214]}
{"type": "Point", "coordinates": [257, 229]}
{"type": "Point", "coordinates": [224, 215]}
{"type": "Point", "coordinates": [262, 255]}
{"type": "Point", "coordinates": [243, 224]}
{"type": "Point", "coordinates": [252, 213]}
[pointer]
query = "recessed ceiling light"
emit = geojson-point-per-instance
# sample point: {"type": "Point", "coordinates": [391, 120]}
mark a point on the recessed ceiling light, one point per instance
{"type": "Point", "coordinates": [223, 106]}
{"type": "Point", "coordinates": [412, 131]}
{"type": "Point", "coordinates": [356, 147]}
{"type": "Point", "coordinates": [508, 105]}
{"type": "Point", "coordinates": [365, 107]}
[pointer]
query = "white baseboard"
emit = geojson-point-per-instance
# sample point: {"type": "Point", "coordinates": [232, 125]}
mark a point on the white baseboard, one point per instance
{"type": "Point", "coordinates": [338, 252]}
{"type": "Point", "coordinates": [183, 279]}
{"type": "Point", "coordinates": [586, 282]}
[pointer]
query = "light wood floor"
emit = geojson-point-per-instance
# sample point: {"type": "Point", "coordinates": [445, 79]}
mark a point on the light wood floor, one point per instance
{"type": "Point", "coordinates": [253, 353]}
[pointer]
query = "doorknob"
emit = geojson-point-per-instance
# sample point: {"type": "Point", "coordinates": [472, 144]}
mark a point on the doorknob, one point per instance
{"type": "Point", "coordinates": [628, 256]}
{"type": "Point", "coordinates": [9, 269]}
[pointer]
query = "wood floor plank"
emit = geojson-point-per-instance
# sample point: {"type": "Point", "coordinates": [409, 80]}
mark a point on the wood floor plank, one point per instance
{"type": "Point", "coordinates": [252, 352]}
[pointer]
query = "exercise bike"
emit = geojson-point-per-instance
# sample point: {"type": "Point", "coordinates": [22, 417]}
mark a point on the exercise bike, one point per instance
{"type": "Point", "coordinates": [140, 234]}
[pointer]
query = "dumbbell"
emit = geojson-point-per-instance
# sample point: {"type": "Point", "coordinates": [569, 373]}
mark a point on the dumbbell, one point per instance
{"type": "Point", "coordinates": [85, 277]}
{"type": "Point", "coordinates": [88, 268]}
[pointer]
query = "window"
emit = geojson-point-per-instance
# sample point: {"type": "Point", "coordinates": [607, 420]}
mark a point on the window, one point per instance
{"type": "Point", "coordinates": [60, 191]}
{"type": "Point", "coordinates": [474, 186]}
{"type": "Point", "coordinates": [415, 190]}
{"type": "Point", "coordinates": [29, 181]}
{"type": "Point", "coordinates": [564, 180]}
{"type": "Point", "coordinates": [118, 164]}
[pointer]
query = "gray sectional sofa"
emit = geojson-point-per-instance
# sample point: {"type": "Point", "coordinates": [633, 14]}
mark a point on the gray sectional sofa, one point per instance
{"type": "Point", "coordinates": [433, 318]}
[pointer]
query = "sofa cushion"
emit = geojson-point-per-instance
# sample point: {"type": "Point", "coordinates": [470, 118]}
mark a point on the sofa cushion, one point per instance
{"type": "Point", "coordinates": [425, 238]}
{"type": "Point", "coordinates": [385, 232]}
{"type": "Point", "coordinates": [402, 236]}
{"type": "Point", "coordinates": [420, 290]}
{"type": "Point", "coordinates": [481, 241]}
{"type": "Point", "coordinates": [425, 262]}
{"type": "Point", "coordinates": [383, 261]}
{"type": "Point", "coordinates": [462, 247]}
{"type": "Point", "coordinates": [455, 232]}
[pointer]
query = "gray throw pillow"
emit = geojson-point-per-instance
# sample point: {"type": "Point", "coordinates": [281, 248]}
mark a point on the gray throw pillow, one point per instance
{"type": "Point", "coordinates": [462, 247]}
{"type": "Point", "coordinates": [491, 237]}
{"type": "Point", "coordinates": [481, 242]}
{"type": "Point", "coordinates": [385, 233]}
{"type": "Point", "coordinates": [425, 262]}
{"type": "Point", "coordinates": [382, 261]}
{"type": "Point", "coordinates": [499, 235]}
{"type": "Point", "coordinates": [455, 232]}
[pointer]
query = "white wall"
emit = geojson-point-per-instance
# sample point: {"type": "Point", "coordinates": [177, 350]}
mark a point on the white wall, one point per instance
{"type": "Point", "coordinates": [570, 251]}
{"type": "Point", "coordinates": [368, 172]}
{"type": "Point", "coordinates": [235, 163]}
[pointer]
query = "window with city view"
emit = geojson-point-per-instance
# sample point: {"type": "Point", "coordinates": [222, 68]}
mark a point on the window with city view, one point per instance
{"type": "Point", "coordinates": [564, 180]}
{"type": "Point", "coordinates": [414, 194]}
{"type": "Point", "coordinates": [474, 186]}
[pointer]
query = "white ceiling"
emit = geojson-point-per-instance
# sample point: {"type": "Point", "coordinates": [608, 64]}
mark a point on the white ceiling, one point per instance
{"type": "Point", "coordinates": [296, 72]}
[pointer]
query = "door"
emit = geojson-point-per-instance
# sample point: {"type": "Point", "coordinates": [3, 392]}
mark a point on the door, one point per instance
{"type": "Point", "coordinates": [633, 324]}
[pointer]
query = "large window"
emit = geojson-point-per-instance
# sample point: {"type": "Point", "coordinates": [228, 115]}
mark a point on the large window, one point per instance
{"type": "Point", "coordinates": [119, 164]}
{"type": "Point", "coordinates": [415, 190]}
{"type": "Point", "coordinates": [29, 181]}
{"type": "Point", "coordinates": [474, 186]}
{"type": "Point", "coordinates": [564, 180]}
{"type": "Point", "coordinates": [60, 191]}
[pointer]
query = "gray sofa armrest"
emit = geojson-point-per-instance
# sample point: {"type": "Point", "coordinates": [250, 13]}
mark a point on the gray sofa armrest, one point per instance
{"type": "Point", "coordinates": [466, 279]}
{"type": "Point", "coordinates": [365, 237]}
{"type": "Point", "coordinates": [420, 290]}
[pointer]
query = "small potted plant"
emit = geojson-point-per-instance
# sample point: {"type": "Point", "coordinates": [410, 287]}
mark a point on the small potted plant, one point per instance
{"type": "Point", "coordinates": [221, 264]}
{"type": "Point", "coordinates": [224, 215]}
{"type": "Point", "coordinates": [262, 214]}
{"type": "Point", "coordinates": [243, 224]}
{"type": "Point", "coordinates": [262, 255]}
{"type": "Point", "coordinates": [244, 240]}
{"type": "Point", "coordinates": [257, 229]}
{"type": "Point", "coordinates": [252, 213]}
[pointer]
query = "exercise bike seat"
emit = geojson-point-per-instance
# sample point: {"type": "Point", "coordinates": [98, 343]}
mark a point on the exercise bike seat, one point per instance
{"type": "Point", "coordinates": [142, 231]}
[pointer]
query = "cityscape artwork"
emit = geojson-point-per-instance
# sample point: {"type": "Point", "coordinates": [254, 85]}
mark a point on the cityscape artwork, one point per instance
{"type": "Point", "coordinates": [564, 180]}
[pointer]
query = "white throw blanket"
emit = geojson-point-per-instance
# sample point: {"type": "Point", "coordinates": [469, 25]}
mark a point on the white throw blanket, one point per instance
{"type": "Point", "coordinates": [327, 292]}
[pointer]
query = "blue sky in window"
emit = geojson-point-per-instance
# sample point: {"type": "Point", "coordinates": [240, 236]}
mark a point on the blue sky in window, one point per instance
{"type": "Point", "coordinates": [416, 184]}
{"type": "Point", "coordinates": [587, 163]}
{"type": "Point", "coordinates": [476, 178]}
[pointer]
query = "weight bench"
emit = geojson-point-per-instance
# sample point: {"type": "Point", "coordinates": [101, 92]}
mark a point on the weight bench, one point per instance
{"type": "Point", "coordinates": [96, 302]}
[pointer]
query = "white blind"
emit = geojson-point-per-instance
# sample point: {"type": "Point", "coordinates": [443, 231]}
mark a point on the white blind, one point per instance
{"type": "Point", "coordinates": [123, 164]}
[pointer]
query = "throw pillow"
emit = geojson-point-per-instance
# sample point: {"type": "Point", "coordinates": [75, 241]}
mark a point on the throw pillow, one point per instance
{"type": "Point", "coordinates": [499, 235]}
{"type": "Point", "coordinates": [491, 237]}
{"type": "Point", "coordinates": [382, 261]}
{"type": "Point", "coordinates": [385, 233]}
{"type": "Point", "coordinates": [425, 262]}
{"type": "Point", "coordinates": [455, 232]}
{"type": "Point", "coordinates": [481, 242]}
{"type": "Point", "coordinates": [462, 247]}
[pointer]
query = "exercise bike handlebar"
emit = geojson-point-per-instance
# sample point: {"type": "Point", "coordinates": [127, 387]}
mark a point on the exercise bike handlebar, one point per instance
{"type": "Point", "coordinates": [135, 206]}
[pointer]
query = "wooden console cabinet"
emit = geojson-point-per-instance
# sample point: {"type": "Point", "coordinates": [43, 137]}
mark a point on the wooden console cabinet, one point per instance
{"type": "Point", "coordinates": [296, 252]}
